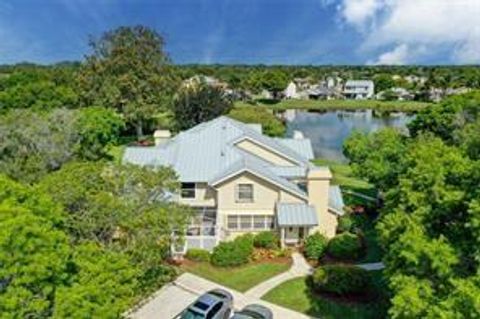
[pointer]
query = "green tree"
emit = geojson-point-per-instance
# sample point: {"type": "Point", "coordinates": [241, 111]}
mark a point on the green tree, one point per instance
{"type": "Point", "coordinates": [129, 71]}
{"type": "Point", "coordinates": [383, 82]}
{"type": "Point", "coordinates": [96, 128]}
{"type": "Point", "coordinates": [199, 103]}
{"type": "Point", "coordinates": [103, 285]}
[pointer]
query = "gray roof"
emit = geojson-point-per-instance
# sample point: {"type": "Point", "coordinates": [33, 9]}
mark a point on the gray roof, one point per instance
{"type": "Point", "coordinates": [335, 199]}
{"type": "Point", "coordinates": [301, 146]}
{"type": "Point", "coordinates": [289, 214]}
{"type": "Point", "coordinates": [359, 83]}
{"type": "Point", "coordinates": [208, 150]}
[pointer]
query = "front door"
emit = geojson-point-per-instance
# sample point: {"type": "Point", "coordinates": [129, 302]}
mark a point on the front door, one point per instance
{"type": "Point", "coordinates": [301, 233]}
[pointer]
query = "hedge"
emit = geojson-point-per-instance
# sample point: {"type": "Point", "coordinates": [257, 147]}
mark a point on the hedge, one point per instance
{"type": "Point", "coordinates": [315, 246]}
{"type": "Point", "coordinates": [266, 239]}
{"type": "Point", "coordinates": [233, 253]}
{"type": "Point", "coordinates": [197, 254]}
{"type": "Point", "coordinates": [341, 279]}
{"type": "Point", "coordinates": [345, 246]}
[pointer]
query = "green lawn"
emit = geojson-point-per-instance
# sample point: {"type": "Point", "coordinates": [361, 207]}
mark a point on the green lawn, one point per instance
{"type": "Point", "coordinates": [239, 278]}
{"type": "Point", "coordinates": [296, 295]}
{"type": "Point", "coordinates": [343, 176]}
{"type": "Point", "coordinates": [381, 106]}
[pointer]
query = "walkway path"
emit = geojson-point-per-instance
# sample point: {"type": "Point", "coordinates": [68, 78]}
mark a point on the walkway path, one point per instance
{"type": "Point", "coordinates": [372, 266]}
{"type": "Point", "coordinates": [300, 268]}
{"type": "Point", "coordinates": [169, 301]}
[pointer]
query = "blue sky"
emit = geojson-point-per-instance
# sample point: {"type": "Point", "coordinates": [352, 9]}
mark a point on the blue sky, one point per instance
{"type": "Point", "coordinates": [252, 31]}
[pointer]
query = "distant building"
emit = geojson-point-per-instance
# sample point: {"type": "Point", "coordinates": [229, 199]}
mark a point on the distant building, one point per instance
{"type": "Point", "coordinates": [359, 89]}
{"type": "Point", "coordinates": [396, 93]}
{"type": "Point", "coordinates": [291, 91]}
{"type": "Point", "coordinates": [208, 80]}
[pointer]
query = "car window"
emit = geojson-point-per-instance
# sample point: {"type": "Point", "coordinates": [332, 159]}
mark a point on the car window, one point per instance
{"type": "Point", "coordinates": [215, 309]}
{"type": "Point", "coordinates": [191, 314]}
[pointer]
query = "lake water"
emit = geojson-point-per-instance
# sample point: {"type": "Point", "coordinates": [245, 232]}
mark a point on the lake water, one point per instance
{"type": "Point", "coordinates": [328, 130]}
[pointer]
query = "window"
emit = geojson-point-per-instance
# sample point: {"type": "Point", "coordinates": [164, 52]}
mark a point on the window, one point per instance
{"type": "Point", "coordinates": [250, 222]}
{"type": "Point", "coordinates": [232, 221]}
{"type": "Point", "coordinates": [245, 222]}
{"type": "Point", "coordinates": [188, 190]}
{"type": "Point", "coordinates": [259, 222]}
{"type": "Point", "coordinates": [215, 309]}
{"type": "Point", "coordinates": [245, 193]}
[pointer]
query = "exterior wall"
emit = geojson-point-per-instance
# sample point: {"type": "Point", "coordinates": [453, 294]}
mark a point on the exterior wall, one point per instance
{"type": "Point", "coordinates": [265, 197]}
{"type": "Point", "coordinates": [264, 153]}
{"type": "Point", "coordinates": [318, 188]}
{"type": "Point", "coordinates": [204, 196]}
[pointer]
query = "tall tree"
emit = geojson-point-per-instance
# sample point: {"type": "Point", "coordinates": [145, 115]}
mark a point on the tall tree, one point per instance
{"type": "Point", "coordinates": [199, 103]}
{"type": "Point", "coordinates": [129, 70]}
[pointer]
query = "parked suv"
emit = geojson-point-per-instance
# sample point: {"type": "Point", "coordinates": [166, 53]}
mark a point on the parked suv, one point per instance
{"type": "Point", "coordinates": [215, 304]}
{"type": "Point", "coordinates": [254, 312]}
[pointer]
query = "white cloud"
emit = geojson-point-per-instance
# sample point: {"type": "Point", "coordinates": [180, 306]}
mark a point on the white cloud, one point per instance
{"type": "Point", "coordinates": [410, 25]}
{"type": "Point", "coordinates": [398, 56]}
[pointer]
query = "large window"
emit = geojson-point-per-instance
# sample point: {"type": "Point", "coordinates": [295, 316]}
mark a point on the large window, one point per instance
{"type": "Point", "coordinates": [188, 190]}
{"type": "Point", "coordinates": [250, 222]}
{"type": "Point", "coordinates": [244, 193]}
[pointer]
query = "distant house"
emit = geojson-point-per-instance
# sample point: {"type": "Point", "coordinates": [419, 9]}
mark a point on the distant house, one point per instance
{"type": "Point", "coordinates": [208, 80]}
{"type": "Point", "coordinates": [359, 89]}
{"type": "Point", "coordinates": [291, 91]}
{"type": "Point", "coordinates": [324, 93]}
{"type": "Point", "coordinates": [396, 93]}
{"type": "Point", "coordinates": [238, 180]}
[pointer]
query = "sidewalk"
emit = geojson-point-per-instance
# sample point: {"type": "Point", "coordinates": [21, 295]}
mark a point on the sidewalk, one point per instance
{"type": "Point", "coordinates": [300, 268]}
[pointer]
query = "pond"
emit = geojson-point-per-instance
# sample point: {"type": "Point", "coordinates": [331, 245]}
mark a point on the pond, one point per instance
{"type": "Point", "coordinates": [328, 130]}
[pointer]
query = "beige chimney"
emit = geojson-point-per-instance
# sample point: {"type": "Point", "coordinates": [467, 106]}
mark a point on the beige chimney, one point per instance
{"type": "Point", "coordinates": [161, 136]}
{"type": "Point", "coordinates": [318, 184]}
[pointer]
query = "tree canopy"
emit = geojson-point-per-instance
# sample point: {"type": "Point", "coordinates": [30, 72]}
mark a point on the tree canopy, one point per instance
{"type": "Point", "coordinates": [429, 225]}
{"type": "Point", "coordinates": [128, 70]}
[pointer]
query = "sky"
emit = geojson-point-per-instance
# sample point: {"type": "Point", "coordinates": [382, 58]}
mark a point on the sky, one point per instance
{"type": "Point", "coordinates": [252, 31]}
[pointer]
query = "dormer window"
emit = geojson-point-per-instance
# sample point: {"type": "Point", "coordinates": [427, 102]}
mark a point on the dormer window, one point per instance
{"type": "Point", "coordinates": [188, 191]}
{"type": "Point", "coordinates": [244, 193]}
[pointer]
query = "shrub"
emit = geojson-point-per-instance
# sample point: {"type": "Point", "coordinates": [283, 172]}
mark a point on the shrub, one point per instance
{"type": "Point", "coordinates": [266, 239]}
{"type": "Point", "coordinates": [341, 279]}
{"type": "Point", "coordinates": [233, 253]}
{"type": "Point", "coordinates": [197, 254]}
{"type": "Point", "coordinates": [345, 224]}
{"type": "Point", "coordinates": [271, 125]}
{"type": "Point", "coordinates": [345, 246]}
{"type": "Point", "coordinates": [315, 246]}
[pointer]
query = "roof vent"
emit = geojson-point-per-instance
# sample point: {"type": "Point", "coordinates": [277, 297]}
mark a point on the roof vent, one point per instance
{"type": "Point", "coordinates": [298, 135]}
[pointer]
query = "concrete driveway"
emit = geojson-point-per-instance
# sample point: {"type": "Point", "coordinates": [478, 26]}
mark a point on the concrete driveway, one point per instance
{"type": "Point", "coordinates": [173, 298]}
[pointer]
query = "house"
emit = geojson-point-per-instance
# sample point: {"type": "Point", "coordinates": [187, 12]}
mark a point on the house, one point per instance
{"type": "Point", "coordinates": [291, 91]}
{"type": "Point", "coordinates": [396, 93]}
{"type": "Point", "coordinates": [359, 89]}
{"type": "Point", "coordinates": [238, 180]}
{"type": "Point", "coordinates": [208, 80]}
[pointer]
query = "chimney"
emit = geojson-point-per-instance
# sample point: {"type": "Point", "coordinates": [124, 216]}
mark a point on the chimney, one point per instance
{"type": "Point", "coordinates": [318, 184]}
{"type": "Point", "coordinates": [161, 136]}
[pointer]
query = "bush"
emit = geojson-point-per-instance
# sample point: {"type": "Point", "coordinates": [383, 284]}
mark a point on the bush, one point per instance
{"type": "Point", "coordinates": [345, 246]}
{"type": "Point", "coordinates": [197, 254]}
{"type": "Point", "coordinates": [341, 279]}
{"type": "Point", "coordinates": [315, 246]}
{"type": "Point", "coordinates": [266, 239]}
{"type": "Point", "coordinates": [233, 253]}
{"type": "Point", "coordinates": [345, 224]}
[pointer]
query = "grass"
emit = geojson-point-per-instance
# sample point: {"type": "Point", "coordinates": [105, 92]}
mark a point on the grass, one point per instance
{"type": "Point", "coordinates": [239, 278]}
{"type": "Point", "coordinates": [325, 105]}
{"type": "Point", "coordinates": [343, 176]}
{"type": "Point", "coordinates": [296, 295]}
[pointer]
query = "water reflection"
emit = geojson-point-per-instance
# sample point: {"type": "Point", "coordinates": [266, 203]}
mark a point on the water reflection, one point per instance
{"type": "Point", "coordinates": [328, 130]}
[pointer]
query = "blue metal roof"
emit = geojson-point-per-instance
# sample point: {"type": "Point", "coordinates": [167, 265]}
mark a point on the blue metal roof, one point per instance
{"type": "Point", "coordinates": [290, 214]}
{"type": "Point", "coordinates": [203, 152]}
